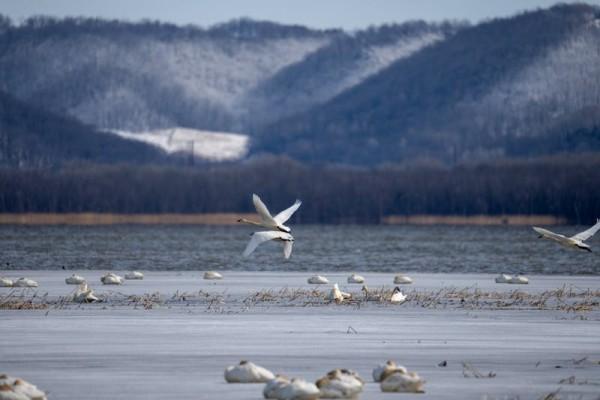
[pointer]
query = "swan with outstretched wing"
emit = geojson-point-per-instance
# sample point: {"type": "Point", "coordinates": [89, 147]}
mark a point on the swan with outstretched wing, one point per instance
{"type": "Point", "coordinates": [261, 237]}
{"type": "Point", "coordinates": [275, 223]}
{"type": "Point", "coordinates": [575, 241]}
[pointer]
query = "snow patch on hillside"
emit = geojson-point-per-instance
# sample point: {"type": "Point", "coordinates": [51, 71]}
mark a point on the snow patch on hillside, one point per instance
{"type": "Point", "coordinates": [207, 145]}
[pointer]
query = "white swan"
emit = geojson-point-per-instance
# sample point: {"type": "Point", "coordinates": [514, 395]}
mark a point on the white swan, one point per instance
{"type": "Point", "coordinates": [399, 380]}
{"type": "Point", "coordinates": [247, 372]}
{"type": "Point", "coordinates": [402, 280]}
{"type": "Point", "coordinates": [25, 282]}
{"type": "Point", "coordinates": [337, 295]}
{"type": "Point", "coordinates": [84, 294]}
{"type": "Point", "coordinates": [111, 279]}
{"type": "Point", "coordinates": [317, 280]}
{"type": "Point", "coordinates": [354, 278]}
{"type": "Point", "coordinates": [397, 296]}
{"type": "Point", "coordinates": [273, 387]}
{"type": "Point", "coordinates": [5, 282]}
{"type": "Point", "coordinates": [265, 236]}
{"type": "Point", "coordinates": [340, 384]}
{"type": "Point", "coordinates": [75, 280]}
{"type": "Point", "coordinates": [297, 389]}
{"type": "Point", "coordinates": [134, 275]}
{"type": "Point", "coordinates": [387, 368]}
{"type": "Point", "coordinates": [19, 389]}
{"type": "Point", "coordinates": [517, 279]}
{"type": "Point", "coordinates": [212, 275]}
{"type": "Point", "coordinates": [575, 241]}
{"type": "Point", "coordinates": [267, 220]}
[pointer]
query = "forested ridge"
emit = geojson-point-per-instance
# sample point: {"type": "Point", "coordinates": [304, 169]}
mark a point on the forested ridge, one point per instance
{"type": "Point", "coordinates": [559, 185]}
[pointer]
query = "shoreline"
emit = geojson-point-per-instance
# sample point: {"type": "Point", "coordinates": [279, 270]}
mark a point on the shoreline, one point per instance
{"type": "Point", "coordinates": [90, 218]}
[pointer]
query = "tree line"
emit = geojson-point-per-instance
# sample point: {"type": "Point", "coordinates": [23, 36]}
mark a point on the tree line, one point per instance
{"type": "Point", "coordinates": [564, 186]}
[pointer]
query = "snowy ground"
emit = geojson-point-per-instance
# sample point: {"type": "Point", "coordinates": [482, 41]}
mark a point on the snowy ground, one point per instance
{"type": "Point", "coordinates": [179, 350]}
{"type": "Point", "coordinates": [207, 145]}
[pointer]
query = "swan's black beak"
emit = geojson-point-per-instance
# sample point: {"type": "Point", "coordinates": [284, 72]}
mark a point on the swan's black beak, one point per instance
{"type": "Point", "coordinates": [539, 237]}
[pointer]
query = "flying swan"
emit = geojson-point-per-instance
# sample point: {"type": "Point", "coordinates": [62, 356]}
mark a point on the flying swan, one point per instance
{"type": "Point", "coordinates": [267, 220]}
{"type": "Point", "coordinates": [575, 241]}
{"type": "Point", "coordinates": [265, 236]}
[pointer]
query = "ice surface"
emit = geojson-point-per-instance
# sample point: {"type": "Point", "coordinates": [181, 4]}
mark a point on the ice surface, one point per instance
{"type": "Point", "coordinates": [105, 352]}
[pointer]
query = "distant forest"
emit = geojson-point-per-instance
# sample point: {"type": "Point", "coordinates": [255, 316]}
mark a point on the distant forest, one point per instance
{"type": "Point", "coordinates": [561, 185]}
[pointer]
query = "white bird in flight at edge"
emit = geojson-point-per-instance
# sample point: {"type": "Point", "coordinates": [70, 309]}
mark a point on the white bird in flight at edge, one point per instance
{"type": "Point", "coordinates": [573, 241]}
{"type": "Point", "coordinates": [267, 220]}
{"type": "Point", "coordinates": [265, 236]}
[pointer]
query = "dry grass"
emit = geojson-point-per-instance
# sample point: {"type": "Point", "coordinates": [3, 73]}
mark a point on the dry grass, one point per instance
{"type": "Point", "coordinates": [473, 220]}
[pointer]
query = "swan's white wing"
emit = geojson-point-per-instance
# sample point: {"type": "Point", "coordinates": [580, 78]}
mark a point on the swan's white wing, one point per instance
{"type": "Point", "coordinates": [287, 213]}
{"type": "Point", "coordinates": [287, 249]}
{"type": "Point", "coordinates": [262, 210]}
{"type": "Point", "coordinates": [588, 233]}
{"type": "Point", "coordinates": [258, 238]}
{"type": "Point", "coordinates": [550, 235]}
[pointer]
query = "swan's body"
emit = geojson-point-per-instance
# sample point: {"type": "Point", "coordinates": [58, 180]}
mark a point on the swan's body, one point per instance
{"type": "Point", "coordinates": [354, 278]}
{"type": "Point", "coordinates": [19, 389]}
{"type": "Point", "coordinates": [111, 279]}
{"type": "Point", "coordinates": [265, 236]}
{"type": "Point", "coordinates": [399, 380]}
{"type": "Point", "coordinates": [273, 387]}
{"type": "Point", "coordinates": [337, 295]}
{"type": "Point", "coordinates": [340, 384]}
{"type": "Point", "coordinates": [75, 280]}
{"type": "Point", "coordinates": [386, 369]}
{"type": "Point", "coordinates": [297, 389]}
{"type": "Point", "coordinates": [267, 220]}
{"type": "Point", "coordinates": [402, 280]}
{"type": "Point", "coordinates": [212, 275]}
{"type": "Point", "coordinates": [247, 372]}
{"type": "Point", "coordinates": [318, 280]}
{"type": "Point", "coordinates": [575, 241]}
{"type": "Point", "coordinates": [134, 275]}
{"type": "Point", "coordinates": [517, 279]}
{"type": "Point", "coordinates": [397, 296]}
{"type": "Point", "coordinates": [25, 282]}
{"type": "Point", "coordinates": [84, 294]}
{"type": "Point", "coordinates": [5, 282]}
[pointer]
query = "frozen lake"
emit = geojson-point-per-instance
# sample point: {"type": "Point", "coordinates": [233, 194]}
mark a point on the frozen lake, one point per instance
{"type": "Point", "coordinates": [179, 350]}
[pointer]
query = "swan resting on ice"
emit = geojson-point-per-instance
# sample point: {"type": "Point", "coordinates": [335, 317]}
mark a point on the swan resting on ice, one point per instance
{"type": "Point", "coordinates": [340, 384]}
{"type": "Point", "coordinates": [247, 372]}
{"type": "Point", "coordinates": [282, 388]}
{"type": "Point", "coordinates": [386, 368]}
{"type": "Point", "coordinates": [264, 236]}
{"type": "Point", "coordinates": [400, 380]}
{"type": "Point", "coordinates": [397, 296]}
{"type": "Point", "coordinates": [75, 280]}
{"type": "Point", "coordinates": [212, 275]}
{"type": "Point", "coordinates": [575, 241]}
{"type": "Point", "coordinates": [111, 279]}
{"type": "Point", "coordinates": [267, 220]}
{"type": "Point", "coordinates": [402, 280]}
{"type": "Point", "coordinates": [25, 282]}
{"type": "Point", "coordinates": [337, 295]}
{"type": "Point", "coordinates": [19, 389]}
{"type": "Point", "coordinates": [134, 275]}
{"type": "Point", "coordinates": [317, 280]}
{"type": "Point", "coordinates": [354, 278]}
{"type": "Point", "coordinates": [517, 279]}
{"type": "Point", "coordinates": [84, 294]}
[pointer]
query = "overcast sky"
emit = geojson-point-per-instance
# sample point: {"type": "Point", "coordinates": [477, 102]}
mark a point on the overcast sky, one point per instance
{"type": "Point", "coordinates": [348, 14]}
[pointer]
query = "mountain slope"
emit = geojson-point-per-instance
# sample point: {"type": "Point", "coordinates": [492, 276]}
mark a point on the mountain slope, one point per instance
{"type": "Point", "coordinates": [471, 96]}
{"type": "Point", "coordinates": [346, 61]}
{"type": "Point", "coordinates": [136, 77]}
{"type": "Point", "coordinates": [32, 137]}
